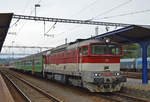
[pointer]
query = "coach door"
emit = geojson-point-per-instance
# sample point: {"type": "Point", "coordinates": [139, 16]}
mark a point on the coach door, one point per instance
{"type": "Point", "coordinates": [33, 66]}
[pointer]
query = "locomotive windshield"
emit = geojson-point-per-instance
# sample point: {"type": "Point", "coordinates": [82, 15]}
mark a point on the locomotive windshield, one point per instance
{"type": "Point", "coordinates": [106, 49]}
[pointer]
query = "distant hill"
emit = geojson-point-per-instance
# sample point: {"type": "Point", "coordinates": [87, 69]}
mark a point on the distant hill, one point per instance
{"type": "Point", "coordinates": [6, 60]}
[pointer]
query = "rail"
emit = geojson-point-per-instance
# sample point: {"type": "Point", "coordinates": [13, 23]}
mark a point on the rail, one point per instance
{"type": "Point", "coordinates": [122, 97]}
{"type": "Point", "coordinates": [51, 97]}
{"type": "Point", "coordinates": [17, 88]}
{"type": "Point", "coordinates": [131, 97]}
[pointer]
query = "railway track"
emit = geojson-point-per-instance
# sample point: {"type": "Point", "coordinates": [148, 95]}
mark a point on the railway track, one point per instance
{"type": "Point", "coordinates": [136, 75]}
{"type": "Point", "coordinates": [129, 98]}
{"type": "Point", "coordinates": [30, 92]}
{"type": "Point", "coordinates": [121, 97]}
{"type": "Point", "coordinates": [110, 97]}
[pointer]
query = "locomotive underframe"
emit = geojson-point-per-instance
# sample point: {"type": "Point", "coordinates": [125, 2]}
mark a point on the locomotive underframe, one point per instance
{"type": "Point", "coordinates": [87, 80]}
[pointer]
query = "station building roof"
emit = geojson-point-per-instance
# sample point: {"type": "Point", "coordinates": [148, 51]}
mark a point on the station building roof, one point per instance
{"type": "Point", "coordinates": [5, 19]}
{"type": "Point", "coordinates": [128, 34]}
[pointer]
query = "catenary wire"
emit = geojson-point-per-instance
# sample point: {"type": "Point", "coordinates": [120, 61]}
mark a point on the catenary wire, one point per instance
{"type": "Point", "coordinates": [112, 9]}
{"type": "Point", "coordinates": [125, 14]}
{"type": "Point", "coordinates": [108, 11]}
{"type": "Point", "coordinates": [77, 13]}
{"type": "Point", "coordinates": [84, 8]}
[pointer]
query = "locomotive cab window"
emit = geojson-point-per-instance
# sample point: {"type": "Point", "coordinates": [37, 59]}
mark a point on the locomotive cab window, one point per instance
{"type": "Point", "coordinates": [105, 49]}
{"type": "Point", "coordinates": [98, 49]}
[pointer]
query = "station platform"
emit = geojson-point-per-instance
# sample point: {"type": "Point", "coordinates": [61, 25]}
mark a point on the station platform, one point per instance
{"type": "Point", "coordinates": [137, 84]}
{"type": "Point", "coordinates": [5, 95]}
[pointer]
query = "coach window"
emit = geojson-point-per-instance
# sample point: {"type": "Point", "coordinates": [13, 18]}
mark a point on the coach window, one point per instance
{"type": "Point", "coordinates": [37, 62]}
{"type": "Point", "coordinates": [85, 50]}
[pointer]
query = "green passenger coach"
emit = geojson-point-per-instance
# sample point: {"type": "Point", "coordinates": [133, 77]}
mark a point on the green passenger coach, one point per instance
{"type": "Point", "coordinates": [32, 64]}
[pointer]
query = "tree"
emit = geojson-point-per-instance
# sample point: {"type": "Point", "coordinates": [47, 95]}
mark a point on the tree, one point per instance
{"type": "Point", "coordinates": [130, 50]}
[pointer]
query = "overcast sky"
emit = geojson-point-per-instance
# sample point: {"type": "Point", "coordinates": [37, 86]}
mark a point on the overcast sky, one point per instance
{"type": "Point", "coordinates": [31, 33]}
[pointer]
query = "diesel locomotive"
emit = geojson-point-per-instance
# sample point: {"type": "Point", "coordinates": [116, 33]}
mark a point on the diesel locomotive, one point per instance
{"type": "Point", "coordinates": [89, 63]}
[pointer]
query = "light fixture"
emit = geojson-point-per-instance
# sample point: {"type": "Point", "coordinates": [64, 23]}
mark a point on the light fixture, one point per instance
{"type": "Point", "coordinates": [117, 74]}
{"type": "Point", "coordinates": [107, 40]}
{"type": "Point", "coordinates": [36, 5]}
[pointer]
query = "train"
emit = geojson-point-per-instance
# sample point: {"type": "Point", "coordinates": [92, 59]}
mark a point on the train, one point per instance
{"type": "Point", "coordinates": [93, 64]}
{"type": "Point", "coordinates": [133, 64]}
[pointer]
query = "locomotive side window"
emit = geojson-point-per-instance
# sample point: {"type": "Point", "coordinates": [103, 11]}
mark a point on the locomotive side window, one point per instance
{"type": "Point", "coordinates": [74, 53]}
{"type": "Point", "coordinates": [98, 49]}
{"type": "Point", "coordinates": [80, 51]}
{"type": "Point", "coordinates": [58, 56]}
{"type": "Point", "coordinates": [85, 50]}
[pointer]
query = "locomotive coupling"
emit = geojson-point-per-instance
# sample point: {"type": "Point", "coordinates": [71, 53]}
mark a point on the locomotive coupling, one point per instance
{"type": "Point", "coordinates": [98, 80]}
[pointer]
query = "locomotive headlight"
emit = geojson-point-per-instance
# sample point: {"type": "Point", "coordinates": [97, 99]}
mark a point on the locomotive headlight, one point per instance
{"type": "Point", "coordinates": [95, 74]}
{"type": "Point", "coordinates": [117, 74]}
{"type": "Point", "coordinates": [107, 40]}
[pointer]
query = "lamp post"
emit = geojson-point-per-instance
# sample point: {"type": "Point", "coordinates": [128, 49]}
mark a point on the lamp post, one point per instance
{"type": "Point", "coordinates": [12, 49]}
{"type": "Point", "coordinates": [36, 5]}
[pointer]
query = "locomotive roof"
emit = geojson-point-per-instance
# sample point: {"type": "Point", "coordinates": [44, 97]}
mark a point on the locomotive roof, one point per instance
{"type": "Point", "coordinates": [74, 45]}
{"type": "Point", "coordinates": [84, 42]}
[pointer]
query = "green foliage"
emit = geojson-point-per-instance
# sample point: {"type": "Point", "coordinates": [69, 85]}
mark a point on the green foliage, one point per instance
{"type": "Point", "coordinates": [139, 52]}
{"type": "Point", "coordinates": [130, 50]}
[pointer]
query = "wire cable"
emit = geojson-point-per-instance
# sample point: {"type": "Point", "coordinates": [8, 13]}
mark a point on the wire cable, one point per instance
{"type": "Point", "coordinates": [110, 10]}
{"type": "Point", "coordinates": [77, 13]}
{"type": "Point", "coordinates": [125, 14]}
{"type": "Point", "coordinates": [14, 23]}
{"type": "Point", "coordinates": [52, 27]}
{"type": "Point", "coordinates": [26, 6]}
{"type": "Point", "coordinates": [84, 8]}
{"type": "Point", "coordinates": [23, 12]}
{"type": "Point", "coordinates": [39, 1]}
{"type": "Point", "coordinates": [29, 14]}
